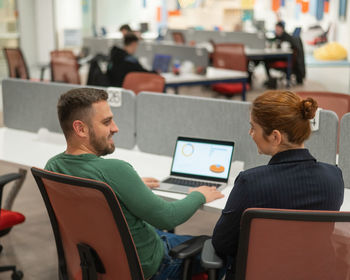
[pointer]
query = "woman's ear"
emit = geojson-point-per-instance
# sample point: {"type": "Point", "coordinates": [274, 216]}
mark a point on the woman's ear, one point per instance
{"type": "Point", "coordinates": [276, 137]}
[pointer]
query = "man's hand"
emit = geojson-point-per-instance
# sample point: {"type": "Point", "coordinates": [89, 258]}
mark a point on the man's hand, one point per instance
{"type": "Point", "coordinates": [210, 193]}
{"type": "Point", "coordinates": [150, 182]}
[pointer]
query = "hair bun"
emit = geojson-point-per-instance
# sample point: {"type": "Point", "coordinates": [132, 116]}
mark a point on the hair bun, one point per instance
{"type": "Point", "coordinates": [308, 108]}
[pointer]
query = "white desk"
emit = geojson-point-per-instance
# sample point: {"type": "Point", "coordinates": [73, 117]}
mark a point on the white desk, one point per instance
{"type": "Point", "coordinates": [32, 149]}
{"type": "Point", "coordinates": [212, 76]}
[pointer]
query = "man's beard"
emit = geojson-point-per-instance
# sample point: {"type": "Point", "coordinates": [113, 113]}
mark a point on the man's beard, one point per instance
{"type": "Point", "coordinates": [100, 145]}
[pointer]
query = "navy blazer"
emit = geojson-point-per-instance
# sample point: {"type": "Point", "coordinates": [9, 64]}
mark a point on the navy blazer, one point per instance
{"type": "Point", "coordinates": [293, 179]}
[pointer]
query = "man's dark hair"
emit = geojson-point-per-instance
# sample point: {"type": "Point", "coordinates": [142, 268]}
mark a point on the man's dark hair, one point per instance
{"type": "Point", "coordinates": [76, 104]}
{"type": "Point", "coordinates": [280, 24]}
{"type": "Point", "coordinates": [125, 27]}
{"type": "Point", "coordinates": [129, 39]}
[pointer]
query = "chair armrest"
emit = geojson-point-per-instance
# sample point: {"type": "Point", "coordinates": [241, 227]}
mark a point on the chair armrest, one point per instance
{"type": "Point", "coordinates": [209, 259]}
{"type": "Point", "coordinates": [4, 179]}
{"type": "Point", "coordinates": [189, 248]}
{"type": "Point", "coordinates": [11, 195]}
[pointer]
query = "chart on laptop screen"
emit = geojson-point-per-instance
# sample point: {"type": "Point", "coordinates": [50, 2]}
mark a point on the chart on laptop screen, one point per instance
{"type": "Point", "coordinates": [202, 159]}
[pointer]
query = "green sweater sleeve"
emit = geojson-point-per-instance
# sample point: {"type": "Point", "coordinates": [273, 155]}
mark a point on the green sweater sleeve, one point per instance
{"type": "Point", "coordinates": [143, 203]}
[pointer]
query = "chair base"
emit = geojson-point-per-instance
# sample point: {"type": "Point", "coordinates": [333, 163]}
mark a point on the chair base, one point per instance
{"type": "Point", "coordinates": [16, 274]}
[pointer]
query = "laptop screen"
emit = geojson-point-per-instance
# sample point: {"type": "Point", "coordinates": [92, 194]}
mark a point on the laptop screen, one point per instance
{"type": "Point", "coordinates": [161, 63]}
{"type": "Point", "coordinates": [202, 159]}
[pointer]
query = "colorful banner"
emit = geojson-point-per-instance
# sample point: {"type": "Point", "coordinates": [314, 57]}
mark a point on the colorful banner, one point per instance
{"type": "Point", "coordinates": [320, 9]}
{"type": "Point", "coordinates": [326, 6]}
{"type": "Point", "coordinates": [342, 9]}
{"type": "Point", "coordinates": [304, 6]}
{"type": "Point", "coordinates": [276, 5]}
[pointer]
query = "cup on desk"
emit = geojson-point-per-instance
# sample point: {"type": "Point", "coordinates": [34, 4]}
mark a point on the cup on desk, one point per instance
{"type": "Point", "coordinates": [176, 67]}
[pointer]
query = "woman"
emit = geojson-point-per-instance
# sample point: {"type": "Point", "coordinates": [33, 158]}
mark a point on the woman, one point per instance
{"type": "Point", "coordinates": [292, 179]}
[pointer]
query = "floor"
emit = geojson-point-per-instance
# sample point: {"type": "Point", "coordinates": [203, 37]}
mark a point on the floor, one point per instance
{"type": "Point", "coordinates": [31, 245]}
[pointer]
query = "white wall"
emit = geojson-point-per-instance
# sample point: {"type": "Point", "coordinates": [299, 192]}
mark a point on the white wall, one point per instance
{"type": "Point", "coordinates": [111, 14]}
{"type": "Point", "coordinates": [68, 15]}
{"type": "Point", "coordinates": [44, 28]}
{"type": "Point", "coordinates": [343, 30]}
{"type": "Point", "coordinates": [36, 28]}
{"type": "Point", "coordinates": [27, 32]}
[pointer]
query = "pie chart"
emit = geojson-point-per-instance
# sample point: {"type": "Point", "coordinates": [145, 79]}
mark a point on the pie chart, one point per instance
{"type": "Point", "coordinates": [217, 168]}
{"type": "Point", "coordinates": [187, 150]}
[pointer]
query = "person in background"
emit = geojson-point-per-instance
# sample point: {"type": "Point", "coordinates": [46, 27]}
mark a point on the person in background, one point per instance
{"type": "Point", "coordinates": [88, 126]}
{"type": "Point", "coordinates": [293, 178]}
{"type": "Point", "coordinates": [125, 29]}
{"type": "Point", "coordinates": [298, 61]}
{"type": "Point", "coordinates": [123, 61]}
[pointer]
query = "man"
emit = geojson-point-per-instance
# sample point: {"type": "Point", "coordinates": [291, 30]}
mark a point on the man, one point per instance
{"type": "Point", "coordinates": [298, 61]}
{"type": "Point", "coordinates": [125, 29]}
{"type": "Point", "coordinates": [122, 61]}
{"type": "Point", "coordinates": [87, 123]}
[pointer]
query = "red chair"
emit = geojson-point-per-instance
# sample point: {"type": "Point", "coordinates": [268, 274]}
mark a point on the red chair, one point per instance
{"type": "Point", "coordinates": [297, 62]}
{"type": "Point", "coordinates": [16, 64]}
{"type": "Point", "coordinates": [285, 244]}
{"type": "Point", "coordinates": [63, 53]}
{"type": "Point", "coordinates": [230, 56]}
{"type": "Point", "coordinates": [141, 81]}
{"type": "Point", "coordinates": [178, 38]}
{"type": "Point", "coordinates": [64, 67]}
{"type": "Point", "coordinates": [92, 236]}
{"type": "Point", "coordinates": [336, 102]}
{"type": "Point", "coordinates": [8, 218]}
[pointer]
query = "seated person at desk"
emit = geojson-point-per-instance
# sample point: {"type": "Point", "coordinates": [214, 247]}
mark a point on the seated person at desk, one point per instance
{"type": "Point", "coordinates": [87, 123]}
{"type": "Point", "coordinates": [123, 62]}
{"type": "Point", "coordinates": [293, 178]}
{"type": "Point", "coordinates": [298, 61]}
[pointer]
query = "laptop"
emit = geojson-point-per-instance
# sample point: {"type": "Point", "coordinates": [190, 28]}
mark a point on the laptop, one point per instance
{"type": "Point", "coordinates": [198, 162]}
{"type": "Point", "coordinates": [161, 63]}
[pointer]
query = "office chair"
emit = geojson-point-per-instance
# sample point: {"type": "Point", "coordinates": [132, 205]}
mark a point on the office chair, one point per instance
{"type": "Point", "coordinates": [92, 237]}
{"type": "Point", "coordinates": [141, 81]}
{"type": "Point", "coordinates": [279, 244]}
{"type": "Point", "coordinates": [63, 53]}
{"type": "Point", "coordinates": [296, 32]}
{"type": "Point", "coordinates": [298, 62]}
{"type": "Point", "coordinates": [64, 67]}
{"type": "Point", "coordinates": [230, 56]}
{"type": "Point", "coordinates": [336, 102]}
{"type": "Point", "coordinates": [8, 218]}
{"type": "Point", "coordinates": [17, 66]}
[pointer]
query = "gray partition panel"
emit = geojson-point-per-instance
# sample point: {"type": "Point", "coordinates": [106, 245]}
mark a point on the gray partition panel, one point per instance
{"type": "Point", "coordinates": [344, 149]}
{"type": "Point", "coordinates": [31, 105]}
{"type": "Point", "coordinates": [98, 45]}
{"type": "Point", "coordinates": [251, 40]}
{"type": "Point", "coordinates": [161, 118]}
{"type": "Point", "coordinates": [323, 142]}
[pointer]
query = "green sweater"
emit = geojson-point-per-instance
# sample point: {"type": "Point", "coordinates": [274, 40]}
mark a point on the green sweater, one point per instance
{"type": "Point", "coordinates": [142, 209]}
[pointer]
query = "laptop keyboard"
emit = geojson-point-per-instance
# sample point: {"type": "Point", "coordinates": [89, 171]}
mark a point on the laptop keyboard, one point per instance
{"type": "Point", "coordinates": [190, 183]}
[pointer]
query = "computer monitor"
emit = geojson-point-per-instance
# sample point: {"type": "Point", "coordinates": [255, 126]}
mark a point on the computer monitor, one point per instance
{"type": "Point", "coordinates": [143, 27]}
{"type": "Point", "coordinates": [161, 63]}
